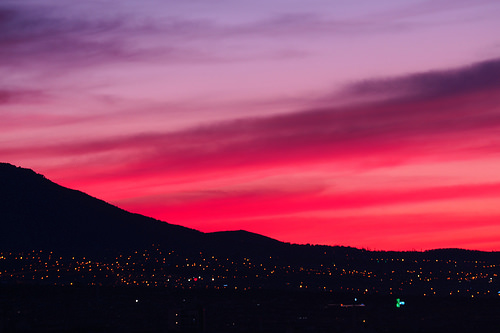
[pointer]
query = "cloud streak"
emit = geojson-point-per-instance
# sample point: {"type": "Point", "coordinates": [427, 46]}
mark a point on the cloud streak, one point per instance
{"type": "Point", "coordinates": [442, 122]}
{"type": "Point", "coordinates": [481, 76]}
{"type": "Point", "coordinates": [39, 35]}
{"type": "Point", "coordinates": [271, 202]}
{"type": "Point", "coordinates": [42, 34]}
{"type": "Point", "coordinates": [157, 107]}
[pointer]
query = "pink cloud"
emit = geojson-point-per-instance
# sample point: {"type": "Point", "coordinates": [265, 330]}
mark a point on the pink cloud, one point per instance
{"type": "Point", "coordinates": [449, 115]}
{"type": "Point", "coordinates": [234, 205]}
{"type": "Point", "coordinates": [451, 127]}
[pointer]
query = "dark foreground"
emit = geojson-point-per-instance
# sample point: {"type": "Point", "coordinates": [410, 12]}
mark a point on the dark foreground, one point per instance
{"type": "Point", "coordinates": [125, 309]}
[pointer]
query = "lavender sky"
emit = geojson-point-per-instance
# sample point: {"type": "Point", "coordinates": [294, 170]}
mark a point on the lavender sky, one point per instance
{"type": "Point", "coordinates": [362, 123]}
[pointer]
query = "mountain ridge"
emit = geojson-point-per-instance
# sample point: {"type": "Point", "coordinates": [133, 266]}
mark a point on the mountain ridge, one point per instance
{"type": "Point", "coordinates": [38, 213]}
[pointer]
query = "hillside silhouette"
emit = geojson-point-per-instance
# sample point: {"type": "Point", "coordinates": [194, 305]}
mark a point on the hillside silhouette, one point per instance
{"type": "Point", "coordinates": [39, 214]}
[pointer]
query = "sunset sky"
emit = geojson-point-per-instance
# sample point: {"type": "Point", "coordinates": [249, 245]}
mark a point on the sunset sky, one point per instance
{"type": "Point", "coordinates": [372, 124]}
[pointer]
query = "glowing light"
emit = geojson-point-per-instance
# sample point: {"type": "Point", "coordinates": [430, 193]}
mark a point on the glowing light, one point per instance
{"type": "Point", "coordinates": [399, 302]}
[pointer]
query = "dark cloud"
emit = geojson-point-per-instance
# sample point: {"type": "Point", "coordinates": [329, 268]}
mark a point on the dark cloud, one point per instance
{"type": "Point", "coordinates": [36, 36]}
{"type": "Point", "coordinates": [31, 34]}
{"type": "Point", "coordinates": [477, 77]}
{"type": "Point", "coordinates": [463, 123]}
{"type": "Point", "coordinates": [455, 116]}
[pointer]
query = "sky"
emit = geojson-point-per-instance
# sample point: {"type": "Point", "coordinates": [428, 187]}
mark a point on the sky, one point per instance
{"type": "Point", "coordinates": [373, 124]}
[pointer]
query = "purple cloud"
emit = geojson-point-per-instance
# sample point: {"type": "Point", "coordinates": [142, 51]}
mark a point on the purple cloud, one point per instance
{"type": "Point", "coordinates": [457, 125]}
{"type": "Point", "coordinates": [476, 77]}
{"type": "Point", "coordinates": [34, 33]}
{"type": "Point", "coordinates": [37, 35]}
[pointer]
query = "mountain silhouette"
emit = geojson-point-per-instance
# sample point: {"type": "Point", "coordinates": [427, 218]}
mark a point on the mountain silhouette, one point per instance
{"type": "Point", "coordinates": [36, 213]}
{"type": "Point", "coordinates": [39, 214]}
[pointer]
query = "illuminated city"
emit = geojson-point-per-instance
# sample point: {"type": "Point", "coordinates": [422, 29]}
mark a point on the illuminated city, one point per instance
{"type": "Point", "coordinates": [363, 272]}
